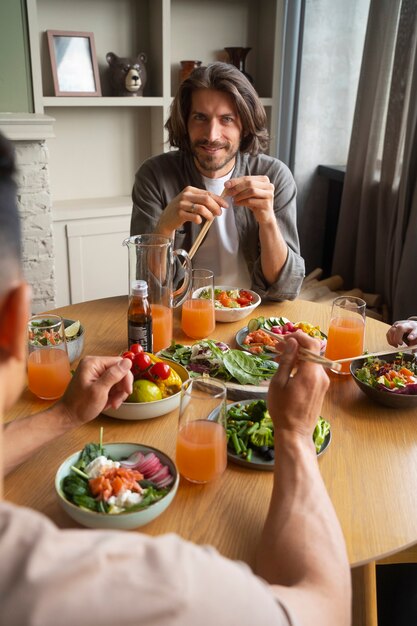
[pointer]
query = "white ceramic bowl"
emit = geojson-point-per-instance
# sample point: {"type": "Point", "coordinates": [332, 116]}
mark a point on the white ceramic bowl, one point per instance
{"type": "Point", "coordinates": [121, 521]}
{"type": "Point", "coordinates": [149, 410]}
{"type": "Point", "coordinates": [75, 346]}
{"type": "Point", "coordinates": [225, 314]}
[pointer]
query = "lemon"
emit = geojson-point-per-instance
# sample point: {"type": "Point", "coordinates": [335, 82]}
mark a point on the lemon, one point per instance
{"type": "Point", "coordinates": [72, 330]}
{"type": "Point", "coordinates": [144, 391]}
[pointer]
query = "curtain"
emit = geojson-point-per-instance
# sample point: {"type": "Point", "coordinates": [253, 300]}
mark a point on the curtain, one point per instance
{"type": "Point", "coordinates": [375, 248]}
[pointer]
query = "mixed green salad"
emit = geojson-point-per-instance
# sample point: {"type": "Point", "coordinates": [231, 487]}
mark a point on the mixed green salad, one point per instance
{"type": "Point", "coordinates": [218, 360]}
{"type": "Point", "coordinates": [99, 483]}
{"type": "Point", "coordinates": [396, 376]}
{"type": "Point", "coordinates": [250, 429]}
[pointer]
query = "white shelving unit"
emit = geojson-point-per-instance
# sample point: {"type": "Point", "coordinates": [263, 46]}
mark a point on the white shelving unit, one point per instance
{"type": "Point", "coordinates": [100, 141]}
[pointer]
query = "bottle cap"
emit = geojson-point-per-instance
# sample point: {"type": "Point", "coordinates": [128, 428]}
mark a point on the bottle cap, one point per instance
{"type": "Point", "coordinates": [140, 288]}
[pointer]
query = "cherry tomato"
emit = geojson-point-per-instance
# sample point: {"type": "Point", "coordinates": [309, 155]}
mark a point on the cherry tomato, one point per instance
{"type": "Point", "coordinates": [243, 301]}
{"type": "Point", "coordinates": [160, 370]}
{"type": "Point", "coordinates": [246, 294]}
{"type": "Point", "coordinates": [128, 355]}
{"type": "Point", "coordinates": [136, 348]}
{"type": "Point", "coordinates": [142, 361]}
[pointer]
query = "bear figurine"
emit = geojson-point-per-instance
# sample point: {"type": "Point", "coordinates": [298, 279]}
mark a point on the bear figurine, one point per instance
{"type": "Point", "coordinates": [127, 76]}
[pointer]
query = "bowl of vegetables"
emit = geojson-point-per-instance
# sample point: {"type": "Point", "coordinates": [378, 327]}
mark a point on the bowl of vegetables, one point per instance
{"type": "Point", "coordinates": [390, 379]}
{"type": "Point", "coordinates": [156, 388]}
{"type": "Point", "coordinates": [250, 434]}
{"type": "Point", "coordinates": [262, 335]}
{"type": "Point", "coordinates": [116, 486]}
{"type": "Point", "coordinates": [74, 335]}
{"type": "Point", "coordinates": [232, 304]}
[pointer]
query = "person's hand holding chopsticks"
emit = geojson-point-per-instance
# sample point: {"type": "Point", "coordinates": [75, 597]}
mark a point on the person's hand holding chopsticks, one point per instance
{"type": "Point", "coordinates": [191, 205]}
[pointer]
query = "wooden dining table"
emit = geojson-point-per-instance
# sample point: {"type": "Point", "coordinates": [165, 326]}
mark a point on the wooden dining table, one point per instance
{"type": "Point", "coordinates": [369, 468]}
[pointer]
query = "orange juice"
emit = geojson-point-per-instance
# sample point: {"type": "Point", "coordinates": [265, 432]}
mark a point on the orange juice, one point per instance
{"type": "Point", "coordinates": [201, 450]}
{"type": "Point", "coordinates": [48, 373]}
{"type": "Point", "coordinates": [345, 338]}
{"type": "Point", "coordinates": [198, 319]}
{"type": "Point", "coordinates": [161, 327]}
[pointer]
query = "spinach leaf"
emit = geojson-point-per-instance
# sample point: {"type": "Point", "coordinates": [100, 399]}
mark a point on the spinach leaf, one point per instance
{"type": "Point", "coordinates": [74, 485]}
{"type": "Point", "coordinates": [246, 369]}
{"type": "Point", "coordinates": [90, 452]}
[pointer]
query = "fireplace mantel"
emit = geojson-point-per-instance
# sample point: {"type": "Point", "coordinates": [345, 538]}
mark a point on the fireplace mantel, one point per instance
{"type": "Point", "coordinates": [26, 126]}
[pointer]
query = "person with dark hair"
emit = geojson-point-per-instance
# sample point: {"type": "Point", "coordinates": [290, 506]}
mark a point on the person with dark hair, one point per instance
{"type": "Point", "coordinates": [98, 381]}
{"type": "Point", "coordinates": [50, 576]}
{"type": "Point", "coordinates": [219, 170]}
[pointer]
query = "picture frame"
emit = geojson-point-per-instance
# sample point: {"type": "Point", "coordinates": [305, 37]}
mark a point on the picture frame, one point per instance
{"type": "Point", "coordinates": [74, 63]}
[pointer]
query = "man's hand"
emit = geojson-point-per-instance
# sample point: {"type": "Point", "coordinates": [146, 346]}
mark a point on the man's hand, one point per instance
{"type": "Point", "coordinates": [297, 390]}
{"type": "Point", "coordinates": [191, 205]}
{"type": "Point", "coordinates": [404, 331]}
{"type": "Point", "coordinates": [98, 383]}
{"type": "Point", "coordinates": [255, 192]}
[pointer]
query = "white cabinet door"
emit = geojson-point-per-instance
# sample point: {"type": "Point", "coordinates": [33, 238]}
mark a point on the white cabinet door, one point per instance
{"type": "Point", "coordinates": [97, 259]}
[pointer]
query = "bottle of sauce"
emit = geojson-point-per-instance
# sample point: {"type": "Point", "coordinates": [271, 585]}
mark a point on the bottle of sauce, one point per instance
{"type": "Point", "coordinates": [139, 316]}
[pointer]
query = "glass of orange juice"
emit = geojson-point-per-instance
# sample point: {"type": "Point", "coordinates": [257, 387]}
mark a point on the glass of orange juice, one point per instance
{"type": "Point", "coordinates": [346, 331]}
{"type": "Point", "coordinates": [201, 453]}
{"type": "Point", "coordinates": [48, 363]}
{"type": "Point", "coordinates": [197, 319]}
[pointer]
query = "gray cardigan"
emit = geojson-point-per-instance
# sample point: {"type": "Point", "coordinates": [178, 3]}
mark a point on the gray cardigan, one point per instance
{"type": "Point", "coordinates": [163, 177]}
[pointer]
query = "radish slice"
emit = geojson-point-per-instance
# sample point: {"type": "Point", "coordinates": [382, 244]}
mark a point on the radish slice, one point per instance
{"type": "Point", "coordinates": [165, 482]}
{"type": "Point", "coordinates": [133, 461]}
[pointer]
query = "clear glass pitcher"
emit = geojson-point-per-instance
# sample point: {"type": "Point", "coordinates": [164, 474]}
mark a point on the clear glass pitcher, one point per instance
{"type": "Point", "coordinates": [153, 259]}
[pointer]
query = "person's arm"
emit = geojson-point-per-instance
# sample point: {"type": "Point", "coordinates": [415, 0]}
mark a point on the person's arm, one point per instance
{"type": "Point", "coordinates": [302, 552]}
{"type": "Point", "coordinates": [98, 382]}
{"type": "Point", "coordinates": [403, 331]}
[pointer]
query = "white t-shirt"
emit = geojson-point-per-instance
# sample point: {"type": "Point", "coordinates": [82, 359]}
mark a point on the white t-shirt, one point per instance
{"type": "Point", "coordinates": [220, 252]}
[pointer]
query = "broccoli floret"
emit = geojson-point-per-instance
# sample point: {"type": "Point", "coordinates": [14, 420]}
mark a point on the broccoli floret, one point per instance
{"type": "Point", "coordinates": [267, 422]}
{"type": "Point", "coordinates": [258, 411]}
{"type": "Point", "coordinates": [262, 437]}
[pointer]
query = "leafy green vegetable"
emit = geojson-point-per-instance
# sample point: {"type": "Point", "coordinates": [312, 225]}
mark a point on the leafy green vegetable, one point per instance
{"type": "Point", "coordinates": [220, 361]}
{"type": "Point", "coordinates": [90, 452]}
{"type": "Point", "coordinates": [250, 428]}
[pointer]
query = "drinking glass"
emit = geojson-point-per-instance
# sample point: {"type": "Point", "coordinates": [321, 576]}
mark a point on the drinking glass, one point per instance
{"type": "Point", "coordinates": [346, 331]}
{"type": "Point", "coordinates": [198, 320]}
{"type": "Point", "coordinates": [48, 363]}
{"type": "Point", "coordinates": [201, 453]}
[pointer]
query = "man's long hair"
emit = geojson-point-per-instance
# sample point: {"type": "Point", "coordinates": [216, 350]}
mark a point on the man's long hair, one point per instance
{"type": "Point", "coordinates": [226, 78]}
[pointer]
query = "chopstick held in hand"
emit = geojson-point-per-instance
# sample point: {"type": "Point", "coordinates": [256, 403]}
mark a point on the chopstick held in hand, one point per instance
{"type": "Point", "coordinates": [202, 233]}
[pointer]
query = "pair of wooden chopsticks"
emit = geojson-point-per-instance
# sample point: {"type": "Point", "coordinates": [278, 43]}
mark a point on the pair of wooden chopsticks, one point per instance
{"type": "Point", "coordinates": [382, 353]}
{"type": "Point", "coordinates": [308, 355]}
{"type": "Point", "coordinates": [202, 233]}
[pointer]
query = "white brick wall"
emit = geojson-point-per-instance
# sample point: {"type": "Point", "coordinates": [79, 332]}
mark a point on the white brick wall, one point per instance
{"type": "Point", "coordinates": [34, 201]}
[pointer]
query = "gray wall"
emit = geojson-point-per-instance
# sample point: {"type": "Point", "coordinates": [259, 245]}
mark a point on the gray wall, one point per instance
{"type": "Point", "coordinates": [15, 79]}
{"type": "Point", "coordinates": [334, 32]}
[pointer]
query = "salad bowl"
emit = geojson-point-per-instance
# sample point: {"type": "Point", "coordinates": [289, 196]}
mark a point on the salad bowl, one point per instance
{"type": "Point", "coordinates": [240, 302]}
{"type": "Point", "coordinates": [124, 520]}
{"type": "Point", "coordinates": [150, 410]}
{"type": "Point", "coordinates": [362, 371]}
